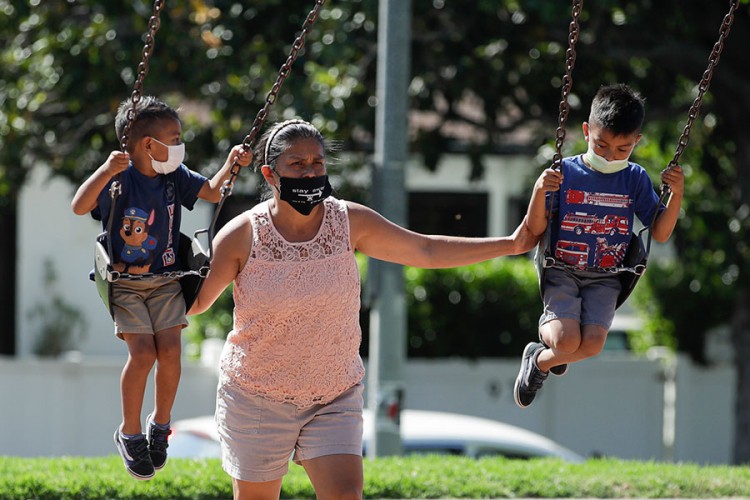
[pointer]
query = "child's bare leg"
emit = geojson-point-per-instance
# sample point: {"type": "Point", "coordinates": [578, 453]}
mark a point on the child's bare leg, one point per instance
{"type": "Point", "coordinates": [141, 358]}
{"type": "Point", "coordinates": [569, 342]}
{"type": "Point", "coordinates": [168, 370]}
{"type": "Point", "coordinates": [592, 342]}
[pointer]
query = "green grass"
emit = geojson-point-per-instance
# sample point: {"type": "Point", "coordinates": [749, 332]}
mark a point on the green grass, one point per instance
{"type": "Point", "coordinates": [398, 477]}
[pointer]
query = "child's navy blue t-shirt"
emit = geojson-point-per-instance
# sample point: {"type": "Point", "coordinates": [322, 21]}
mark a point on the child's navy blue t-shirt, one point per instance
{"type": "Point", "coordinates": [146, 225]}
{"type": "Point", "coordinates": [596, 213]}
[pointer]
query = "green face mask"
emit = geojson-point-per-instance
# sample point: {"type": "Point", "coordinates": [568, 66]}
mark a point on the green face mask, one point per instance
{"type": "Point", "coordinates": [603, 165]}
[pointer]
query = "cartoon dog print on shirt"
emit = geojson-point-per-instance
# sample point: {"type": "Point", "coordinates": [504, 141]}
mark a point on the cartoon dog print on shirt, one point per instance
{"type": "Point", "coordinates": [136, 253]}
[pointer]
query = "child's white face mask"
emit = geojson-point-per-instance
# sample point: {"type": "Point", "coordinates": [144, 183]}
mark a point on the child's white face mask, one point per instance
{"type": "Point", "coordinates": [175, 156]}
{"type": "Point", "coordinates": [601, 164]}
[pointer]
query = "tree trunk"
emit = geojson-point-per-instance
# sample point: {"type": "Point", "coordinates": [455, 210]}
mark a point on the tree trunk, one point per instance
{"type": "Point", "coordinates": [8, 251]}
{"type": "Point", "coordinates": [735, 109]}
{"type": "Point", "coordinates": [741, 335]}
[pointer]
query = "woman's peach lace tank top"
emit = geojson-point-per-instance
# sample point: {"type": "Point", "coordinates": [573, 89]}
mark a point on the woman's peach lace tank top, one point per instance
{"type": "Point", "coordinates": [296, 333]}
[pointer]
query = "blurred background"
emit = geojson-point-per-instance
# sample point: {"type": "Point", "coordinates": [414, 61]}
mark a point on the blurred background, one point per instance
{"type": "Point", "coordinates": [484, 96]}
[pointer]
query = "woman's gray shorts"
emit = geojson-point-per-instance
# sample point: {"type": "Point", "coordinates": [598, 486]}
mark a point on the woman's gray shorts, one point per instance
{"type": "Point", "coordinates": [587, 297]}
{"type": "Point", "coordinates": [258, 436]}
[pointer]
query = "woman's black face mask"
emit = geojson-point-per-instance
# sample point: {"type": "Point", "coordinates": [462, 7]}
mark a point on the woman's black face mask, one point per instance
{"type": "Point", "coordinates": [304, 193]}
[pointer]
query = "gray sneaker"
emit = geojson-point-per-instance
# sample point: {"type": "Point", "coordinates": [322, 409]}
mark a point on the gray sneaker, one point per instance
{"type": "Point", "coordinates": [157, 439]}
{"type": "Point", "coordinates": [530, 378]}
{"type": "Point", "coordinates": [134, 453]}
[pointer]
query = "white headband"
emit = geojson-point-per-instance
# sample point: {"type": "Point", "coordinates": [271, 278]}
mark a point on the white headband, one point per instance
{"type": "Point", "coordinates": [275, 131]}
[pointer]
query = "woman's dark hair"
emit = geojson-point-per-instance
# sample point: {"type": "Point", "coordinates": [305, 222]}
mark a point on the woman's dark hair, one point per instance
{"type": "Point", "coordinates": [280, 137]}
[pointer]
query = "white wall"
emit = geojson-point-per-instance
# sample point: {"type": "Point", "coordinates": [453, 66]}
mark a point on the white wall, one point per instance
{"type": "Point", "coordinates": [610, 405]}
{"type": "Point", "coordinates": [57, 408]}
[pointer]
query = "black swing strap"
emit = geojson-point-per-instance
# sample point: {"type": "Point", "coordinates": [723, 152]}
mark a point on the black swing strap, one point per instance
{"type": "Point", "coordinates": [249, 141]}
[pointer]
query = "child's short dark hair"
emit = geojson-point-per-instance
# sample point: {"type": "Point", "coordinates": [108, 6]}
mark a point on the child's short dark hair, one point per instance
{"type": "Point", "coordinates": [149, 112]}
{"type": "Point", "coordinates": [617, 108]}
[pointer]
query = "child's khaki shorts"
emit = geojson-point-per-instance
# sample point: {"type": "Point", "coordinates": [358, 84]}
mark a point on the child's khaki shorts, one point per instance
{"type": "Point", "coordinates": [148, 306]}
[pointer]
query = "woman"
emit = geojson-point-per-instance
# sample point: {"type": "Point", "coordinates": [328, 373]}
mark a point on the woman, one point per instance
{"type": "Point", "coordinates": [291, 374]}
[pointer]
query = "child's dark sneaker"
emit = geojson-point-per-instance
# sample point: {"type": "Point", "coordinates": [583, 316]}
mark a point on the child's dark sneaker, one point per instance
{"type": "Point", "coordinates": [158, 441]}
{"type": "Point", "coordinates": [530, 378]}
{"type": "Point", "coordinates": [134, 453]}
{"type": "Point", "coordinates": [559, 370]}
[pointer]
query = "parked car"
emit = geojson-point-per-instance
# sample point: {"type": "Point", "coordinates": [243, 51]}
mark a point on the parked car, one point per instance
{"type": "Point", "coordinates": [421, 432]}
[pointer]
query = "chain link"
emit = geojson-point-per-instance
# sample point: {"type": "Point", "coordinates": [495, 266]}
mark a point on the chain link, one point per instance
{"type": "Point", "coordinates": [567, 83]}
{"type": "Point", "coordinates": [113, 276]}
{"type": "Point", "coordinates": [249, 141]}
{"type": "Point", "coordinates": [148, 48]}
{"type": "Point", "coordinates": [550, 262]}
{"type": "Point", "coordinates": [713, 60]}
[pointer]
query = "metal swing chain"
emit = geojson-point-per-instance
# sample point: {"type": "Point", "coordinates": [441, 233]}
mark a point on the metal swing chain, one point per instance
{"type": "Point", "coordinates": [713, 60]}
{"type": "Point", "coordinates": [148, 48]}
{"type": "Point", "coordinates": [567, 84]}
{"type": "Point", "coordinates": [249, 141]}
{"type": "Point", "coordinates": [115, 188]}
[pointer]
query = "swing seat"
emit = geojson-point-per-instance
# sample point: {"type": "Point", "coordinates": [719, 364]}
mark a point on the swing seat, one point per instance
{"type": "Point", "coordinates": [103, 272]}
{"type": "Point", "coordinates": [635, 261]}
{"type": "Point", "coordinates": [194, 269]}
{"type": "Point", "coordinates": [632, 268]}
{"type": "Point", "coordinates": [194, 258]}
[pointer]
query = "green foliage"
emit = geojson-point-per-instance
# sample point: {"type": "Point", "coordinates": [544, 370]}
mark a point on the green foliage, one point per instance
{"type": "Point", "coordinates": [490, 309]}
{"type": "Point", "coordinates": [415, 476]}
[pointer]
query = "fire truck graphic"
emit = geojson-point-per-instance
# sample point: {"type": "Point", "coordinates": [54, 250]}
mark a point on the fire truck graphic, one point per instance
{"type": "Point", "coordinates": [573, 253]}
{"type": "Point", "coordinates": [580, 222]}
{"type": "Point", "coordinates": [601, 199]}
{"type": "Point", "coordinates": [607, 255]}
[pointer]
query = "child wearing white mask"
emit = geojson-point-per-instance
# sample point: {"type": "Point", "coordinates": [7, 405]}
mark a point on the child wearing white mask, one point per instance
{"type": "Point", "coordinates": [149, 314]}
{"type": "Point", "coordinates": [598, 195]}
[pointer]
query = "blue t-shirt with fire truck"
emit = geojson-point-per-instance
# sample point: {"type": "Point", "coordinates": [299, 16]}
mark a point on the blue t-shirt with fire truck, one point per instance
{"type": "Point", "coordinates": [595, 213]}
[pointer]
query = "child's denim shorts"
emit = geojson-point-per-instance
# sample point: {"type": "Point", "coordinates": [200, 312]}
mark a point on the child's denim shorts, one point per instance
{"type": "Point", "coordinates": [587, 297]}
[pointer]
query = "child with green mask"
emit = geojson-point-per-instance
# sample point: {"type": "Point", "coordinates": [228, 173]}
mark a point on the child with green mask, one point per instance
{"type": "Point", "coordinates": [595, 196]}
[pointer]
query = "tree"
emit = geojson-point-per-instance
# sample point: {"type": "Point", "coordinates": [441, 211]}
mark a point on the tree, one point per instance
{"type": "Point", "coordinates": [486, 80]}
